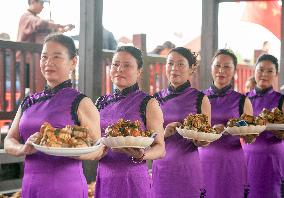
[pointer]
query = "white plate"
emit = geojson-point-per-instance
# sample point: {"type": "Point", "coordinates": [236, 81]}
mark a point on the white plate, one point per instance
{"type": "Point", "coordinates": [200, 136]}
{"type": "Point", "coordinates": [127, 142]}
{"type": "Point", "coordinates": [272, 126]}
{"type": "Point", "coordinates": [65, 151]}
{"type": "Point", "coordinates": [246, 130]}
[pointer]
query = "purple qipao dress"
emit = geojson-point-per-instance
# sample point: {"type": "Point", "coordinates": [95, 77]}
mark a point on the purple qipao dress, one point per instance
{"type": "Point", "coordinates": [117, 175]}
{"type": "Point", "coordinates": [223, 161]}
{"type": "Point", "coordinates": [48, 176]}
{"type": "Point", "coordinates": [178, 174]}
{"type": "Point", "coordinates": [266, 155]}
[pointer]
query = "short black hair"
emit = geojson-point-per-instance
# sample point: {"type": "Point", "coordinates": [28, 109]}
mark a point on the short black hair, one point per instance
{"type": "Point", "coordinates": [190, 56]}
{"type": "Point", "coordinates": [66, 41]}
{"type": "Point", "coordinates": [135, 52]}
{"type": "Point", "coordinates": [268, 57]}
{"type": "Point", "coordinates": [227, 52]}
{"type": "Point", "coordinates": [168, 45]}
{"type": "Point", "coordinates": [41, 1]}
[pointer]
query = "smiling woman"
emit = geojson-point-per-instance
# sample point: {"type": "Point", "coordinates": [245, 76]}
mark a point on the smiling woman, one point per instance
{"type": "Point", "coordinates": [60, 105]}
{"type": "Point", "coordinates": [123, 172]}
{"type": "Point", "coordinates": [268, 147]}
{"type": "Point", "coordinates": [223, 161]}
{"type": "Point", "coordinates": [179, 173]}
{"type": "Point", "coordinates": [57, 61]}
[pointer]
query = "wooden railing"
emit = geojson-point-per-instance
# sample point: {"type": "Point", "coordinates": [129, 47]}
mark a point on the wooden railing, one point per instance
{"type": "Point", "coordinates": [19, 71]}
{"type": "Point", "coordinates": [242, 74]}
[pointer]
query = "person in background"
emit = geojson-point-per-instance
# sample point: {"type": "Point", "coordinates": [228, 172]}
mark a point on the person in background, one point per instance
{"type": "Point", "coordinates": [164, 49]}
{"type": "Point", "coordinates": [4, 36]}
{"type": "Point", "coordinates": [33, 29]}
{"type": "Point", "coordinates": [265, 155]}
{"type": "Point", "coordinates": [250, 84]}
{"type": "Point", "coordinates": [223, 161]}
{"type": "Point", "coordinates": [264, 50]}
{"type": "Point", "coordinates": [59, 104]}
{"type": "Point", "coordinates": [179, 173]}
{"type": "Point", "coordinates": [109, 41]}
{"type": "Point", "coordinates": [124, 172]}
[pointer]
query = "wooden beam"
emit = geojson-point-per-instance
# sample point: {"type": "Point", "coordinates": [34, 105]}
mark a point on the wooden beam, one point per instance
{"type": "Point", "coordinates": [281, 69]}
{"type": "Point", "coordinates": [9, 159]}
{"type": "Point", "coordinates": [10, 186]}
{"type": "Point", "coordinates": [139, 41]}
{"type": "Point", "coordinates": [31, 47]}
{"type": "Point", "coordinates": [209, 40]}
{"type": "Point", "coordinates": [91, 35]}
{"type": "Point", "coordinates": [90, 62]}
{"type": "Point", "coordinates": [7, 115]}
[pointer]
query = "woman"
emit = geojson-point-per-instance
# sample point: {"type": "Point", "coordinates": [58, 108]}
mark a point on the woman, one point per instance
{"type": "Point", "coordinates": [179, 173]}
{"type": "Point", "coordinates": [124, 173]}
{"type": "Point", "coordinates": [59, 104]}
{"type": "Point", "coordinates": [265, 155]}
{"type": "Point", "coordinates": [223, 161]}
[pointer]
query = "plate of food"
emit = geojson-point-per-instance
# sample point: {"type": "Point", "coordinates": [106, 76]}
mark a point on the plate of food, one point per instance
{"type": "Point", "coordinates": [197, 127]}
{"type": "Point", "coordinates": [65, 152]}
{"type": "Point", "coordinates": [246, 125]}
{"type": "Point", "coordinates": [127, 134]}
{"type": "Point", "coordinates": [67, 141]}
{"type": "Point", "coordinates": [275, 119]}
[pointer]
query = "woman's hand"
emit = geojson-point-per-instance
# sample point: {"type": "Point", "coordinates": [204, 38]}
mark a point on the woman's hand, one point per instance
{"type": "Point", "coordinates": [28, 148]}
{"type": "Point", "coordinates": [249, 138]}
{"type": "Point", "coordinates": [96, 155]}
{"type": "Point", "coordinates": [171, 129]}
{"type": "Point", "coordinates": [219, 127]}
{"type": "Point", "coordinates": [200, 143]}
{"type": "Point", "coordinates": [278, 134]}
{"type": "Point", "coordinates": [131, 152]}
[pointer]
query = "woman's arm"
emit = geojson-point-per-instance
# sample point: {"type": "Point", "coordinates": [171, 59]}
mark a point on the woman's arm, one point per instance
{"type": "Point", "coordinates": [89, 117]}
{"type": "Point", "coordinates": [249, 111]}
{"type": "Point", "coordinates": [206, 108]}
{"type": "Point", "coordinates": [279, 134]}
{"type": "Point", "coordinates": [12, 143]}
{"type": "Point", "coordinates": [248, 107]}
{"type": "Point", "coordinates": [154, 122]}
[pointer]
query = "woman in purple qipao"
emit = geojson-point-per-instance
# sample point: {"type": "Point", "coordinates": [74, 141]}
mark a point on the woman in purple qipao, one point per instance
{"type": "Point", "coordinates": [223, 161]}
{"type": "Point", "coordinates": [59, 104]}
{"type": "Point", "coordinates": [265, 156]}
{"type": "Point", "coordinates": [124, 172]}
{"type": "Point", "coordinates": [179, 174]}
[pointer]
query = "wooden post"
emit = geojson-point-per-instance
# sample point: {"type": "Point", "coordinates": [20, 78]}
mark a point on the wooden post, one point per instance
{"type": "Point", "coordinates": [90, 63]}
{"type": "Point", "coordinates": [209, 40]}
{"type": "Point", "coordinates": [281, 68]}
{"type": "Point", "coordinates": [90, 50]}
{"type": "Point", "coordinates": [139, 41]}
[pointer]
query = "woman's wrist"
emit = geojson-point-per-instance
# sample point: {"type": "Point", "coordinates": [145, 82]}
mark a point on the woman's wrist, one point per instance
{"type": "Point", "coordinates": [20, 151]}
{"type": "Point", "coordinates": [138, 160]}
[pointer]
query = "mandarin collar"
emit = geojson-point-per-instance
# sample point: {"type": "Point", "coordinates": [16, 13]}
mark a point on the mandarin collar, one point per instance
{"type": "Point", "coordinates": [260, 92]}
{"type": "Point", "coordinates": [179, 89]}
{"type": "Point", "coordinates": [127, 90]}
{"type": "Point", "coordinates": [222, 91]}
{"type": "Point", "coordinates": [54, 90]}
